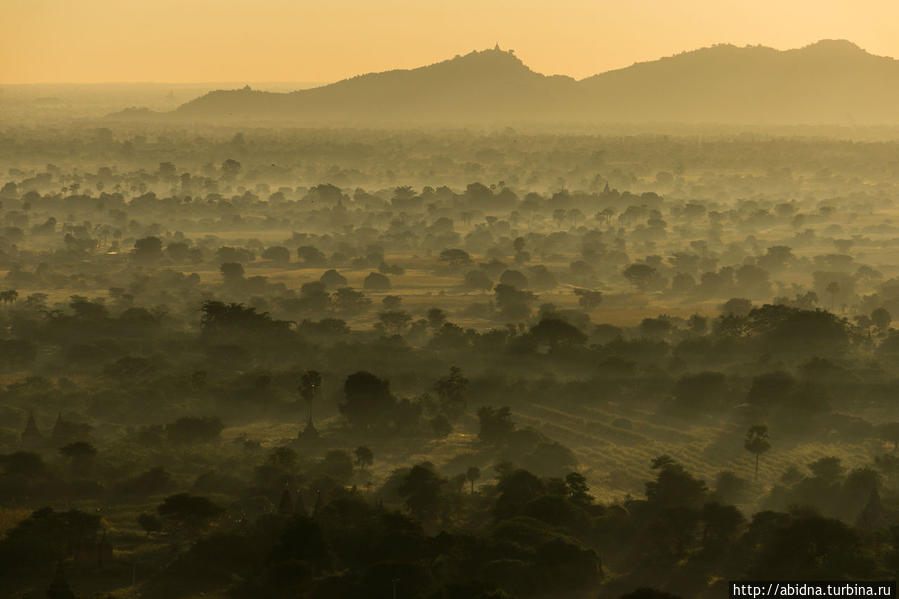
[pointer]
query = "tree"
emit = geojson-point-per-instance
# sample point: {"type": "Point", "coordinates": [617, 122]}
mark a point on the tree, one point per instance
{"type": "Point", "coordinates": [451, 391]}
{"type": "Point", "coordinates": [514, 304]}
{"type": "Point", "coordinates": [472, 475]}
{"type": "Point", "coordinates": [81, 453]}
{"type": "Point", "coordinates": [238, 320]}
{"type": "Point", "coordinates": [232, 272]}
{"type": "Point", "coordinates": [149, 523]}
{"type": "Point", "coordinates": [441, 426]}
{"type": "Point", "coordinates": [23, 463]}
{"type": "Point", "coordinates": [189, 512]}
{"type": "Point", "coordinates": [495, 423]}
{"type": "Point", "coordinates": [395, 321]}
{"type": "Point", "coordinates": [421, 489]}
{"type": "Point", "coordinates": [375, 281]}
{"type": "Point", "coordinates": [349, 301]}
{"type": "Point", "coordinates": [147, 249]}
{"type": "Point", "coordinates": [578, 489]}
{"type": "Point", "coordinates": [829, 469]}
{"type": "Point", "coordinates": [640, 275]}
{"type": "Point", "coordinates": [277, 254]}
{"type": "Point", "coordinates": [392, 302]}
{"type": "Point", "coordinates": [230, 168]}
{"type": "Point", "coordinates": [325, 193]}
{"type": "Point", "coordinates": [757, 443]}
{"type": "Point", "coordinates": [436, 318]}
{"type": "Point", "coordinates": [311, 256]}
{"type": "Point", "coordinates": [810, 547]}
{"type": "Point", "coordinates": [833, 288]}
{"type": "Point", "coordinates": [477, 280]}
{"type": "Point", "coordinates": [698, 324]}
{"type": "Point", "coordinates": [736, 306]}
{"type": "Point", "coordinates": [588, 299]}
{"type": "Point", "coordinates": [518, 245]}
{"type": "Point", "coordinates": [674, 487]}
{"type": "Point", "coordinates": [455, 258]}
{"type": "Point", "coordinates": [556, 333]}
{"type": "Point", "coordinates": [44, 537]}
{"type": "Point", "coordinates": [368, 402]}
{"type": "Point", "coordinates": [517, 488]}
{"type": "Point", "coordinates": [364, 457]}
{"type": "Point", "coordinates": [310, 384]}
{"type": "Point", "coordinates": [178, 252]}
{"type": "Point", "coordinates": [881, 318]}
{"type": "Point", "coordinates": [166, 170]}
{"type": "Point", "coordinates": [234, 254]}
{"type": "Point", "coordinates": [514, 278]}
{"type": "Point", "coordinates": [9, 296]}
{"type": "Point", "coordinates": [333, 279]}
{"type": "Point", "coordinates": [314, 296]}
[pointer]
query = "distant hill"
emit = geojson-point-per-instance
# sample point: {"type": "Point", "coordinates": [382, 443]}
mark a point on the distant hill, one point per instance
{"type": "Point", "coordinates": [829, 82]}
{"type": "Point", "coordinates": [478, 86]}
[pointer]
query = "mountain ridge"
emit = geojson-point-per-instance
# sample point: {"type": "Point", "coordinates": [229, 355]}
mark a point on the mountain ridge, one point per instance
{"type": "Point", "coordinates": [827, 82]}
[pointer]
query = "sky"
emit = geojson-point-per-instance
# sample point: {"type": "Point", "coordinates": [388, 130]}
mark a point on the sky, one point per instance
{"type": "Point", "coordinates": [91, 41]}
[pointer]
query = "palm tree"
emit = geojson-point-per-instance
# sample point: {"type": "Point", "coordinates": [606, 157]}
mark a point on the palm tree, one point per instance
{"type": "Point", "coordinates": [310, 383]}
{"type": "Point", "coordinates": [473, 474]}
{"type": "Point", "coordinates": [757, 443]}
{"type": "Point", "coordinates": [833, 288]}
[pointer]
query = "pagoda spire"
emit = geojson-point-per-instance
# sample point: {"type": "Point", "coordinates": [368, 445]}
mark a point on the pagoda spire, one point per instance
{"type": "Point", "coordinates": [31, 436]}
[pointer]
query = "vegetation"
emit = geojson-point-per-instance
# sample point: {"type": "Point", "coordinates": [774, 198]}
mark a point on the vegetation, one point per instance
{"type": "Point", "coordinates": [253, 362]}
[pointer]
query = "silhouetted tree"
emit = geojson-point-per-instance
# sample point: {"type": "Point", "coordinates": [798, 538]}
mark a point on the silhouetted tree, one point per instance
{"type": "Point", "coordinates": [364, 457]}
{"type": "Point", "coordinates": [472, 475]}
{"type": "Point", "coordinates": [149, 523]}
{"type": "Point", "coordinates": [421, 489]}
{"type": "Point", "coordinates": [757, 443]}
{"type": "Point", "coordinates": [451, 391]}
{"type": "Point", "coordinates": [368, 402]}
{"type": "Point", "coordinates": [192, 513]}
{"type": "Point", "coordinates": [495, 423]}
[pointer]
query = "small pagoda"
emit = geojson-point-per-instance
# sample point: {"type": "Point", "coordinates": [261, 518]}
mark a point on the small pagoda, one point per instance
{"type": "Point", "coordinates": [310, 433]}
{"type": "Point", "coordinates": [31, 436]}
{"type": "Point", "coordinates": [59, 587]}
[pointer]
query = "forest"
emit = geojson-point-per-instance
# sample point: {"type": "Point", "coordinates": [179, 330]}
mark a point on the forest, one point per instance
{"type": "Point", "coordinates": [264, 362]}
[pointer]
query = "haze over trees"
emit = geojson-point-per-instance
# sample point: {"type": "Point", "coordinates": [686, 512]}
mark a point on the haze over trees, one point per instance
{"type": "Point", "coordinates": [252, 359]}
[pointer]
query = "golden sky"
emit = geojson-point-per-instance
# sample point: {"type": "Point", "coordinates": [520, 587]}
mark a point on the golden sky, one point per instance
{"type": "Point", "coordinates": [297, 40]}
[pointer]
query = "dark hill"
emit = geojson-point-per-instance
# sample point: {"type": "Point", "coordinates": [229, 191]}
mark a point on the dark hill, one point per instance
{"type": "Point", "coordinates": [478, 86]}
{"type": "Point", "coordinates": [833, 82]}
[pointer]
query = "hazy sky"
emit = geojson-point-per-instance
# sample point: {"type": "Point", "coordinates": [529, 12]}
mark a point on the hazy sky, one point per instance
{"type": "Point", "coordinates": [296, 40]}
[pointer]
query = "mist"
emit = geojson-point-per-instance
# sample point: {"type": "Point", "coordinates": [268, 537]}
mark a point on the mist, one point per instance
{"type": "Point", "coordinates": [459, 331]}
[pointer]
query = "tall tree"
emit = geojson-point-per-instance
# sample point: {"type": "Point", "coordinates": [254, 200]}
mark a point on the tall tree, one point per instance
{"type": "Point", "coordinates": [757, 443]}
{"type": "Point", "coordinates": [472, 475]}
{"type": "Point", "coordinates": [310, 385]}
